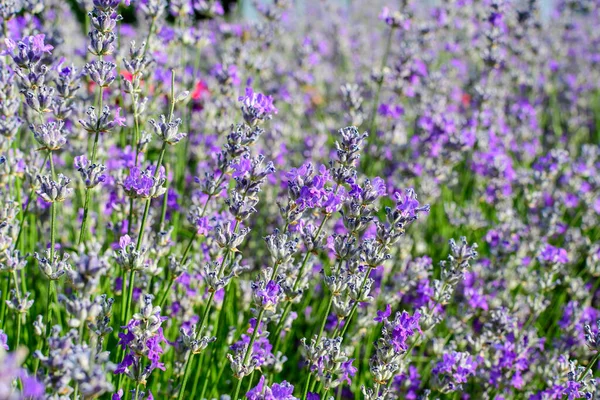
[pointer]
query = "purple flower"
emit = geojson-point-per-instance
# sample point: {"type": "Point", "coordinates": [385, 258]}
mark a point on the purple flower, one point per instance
{"type": "Point", "coordinates": [28, 51]}
{"type": "Point", "coordinates": [278, 391]}
{"type": "Point", "coordinates": [454, 370]}
{"type": "Point", "coordinates": [348, 370]}
{"type": "Point", "coordinates": [392, 111]}
{"type": "Point", "coordinates": [553, 255]}
{"type": "Point", "coordinates": [118, 119]}
{"type": "Point", "coordinates": [3, 340]}
{"type": "Point", "coordinates": [256, 107]}
{"type": "Point", "coordinates": [381, 315]}
{"type": "Point", "coordinates": [124, 241]}
{"type": "Point", "coordinates": [143, 341]}
{"type": "Point", "coordinates": [11, 372]}
{"type": "Point", "coordinates": [242, 167]}
{"type": "Point", "coordinates": [269, 295]}
{"type": "Point", "coordinates": [408, 205]}
{"type": "Point", "coordinates": [401, 328]}
{"type": "Point", "coordinates": [144, 183]}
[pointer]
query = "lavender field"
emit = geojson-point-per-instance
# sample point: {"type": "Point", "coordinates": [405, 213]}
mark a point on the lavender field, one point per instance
{"type": "Point", "coordinates": [281, 200]}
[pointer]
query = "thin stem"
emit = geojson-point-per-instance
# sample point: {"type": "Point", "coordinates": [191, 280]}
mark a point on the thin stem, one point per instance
{"type": "Point", "coordinates": [338, 265]}
{"type": "Point", "coordinates": [95, 146]}
{"type": "Point", "coordinates": [130, 217]}
{"type": "Point", "coordinates": [166, 292]}
{"type": "Point", "coordinates": [172, 279]}
{"type": "Point", "coordinates": [219, 375]}
{"type": "Point", "coordinates": [4, 298]}
{"type": "Point", "coordinates": [136, 130]}
{"type": "Point", "coordinates": [172, 108]}
{"type": "Point", "coordinates": [147, 43]}
{"type": "Point", "coordinates": [49, 312]}
{"type": "Point", "coordinates": [325, 318]}
{"type": "Point", "coordinates": [375, 105]}
{"type": "Point", "coordinates": [52, 230]}
{"type": "Point", "coordinates": [29, 200]}
{"type": "Point", "coordinates": [251, 380]}
{"type": "Point", "coordinates": [163, 212]}
{"type": "Point", "coordinates": [249, 350]}
{"type": "Point", "coordinates": [25, 212]}
{"type": "Point", "coordinates": [19, 321]}
{"type": "Point", "coordinates": [210, 299]}
{"type": "Point", "coordinates": [86, 204]}
{"type": "Point", "coordinates": [160, 159]}
{"type": "Point", "coordinates": [85, 216]}
{"type": "Point", "coordinates": [129, 296]}
{"type": "Point", "coordinates": [186, 376]}
{"type": "Point", "coordinates": [306, 386]}
{"type": "Point", "coordinates": [123, 297]}
{"type": "Point", "coordinates": [589, 367]}
{"type": "Point", "coordinates": [140, 237]}
{"type": "Point", "coordinates": [197, 376]}
{"type": "Point", "coordinates": [14, 274]}
{"type": "Point", "coordinates": [51, 165]}
{"type": "Point", "coordinates": [188, 361]}
{"type": "Point", "coordinates": [355, 305]}
{"type": "Point", "coordinates": [288, 306]}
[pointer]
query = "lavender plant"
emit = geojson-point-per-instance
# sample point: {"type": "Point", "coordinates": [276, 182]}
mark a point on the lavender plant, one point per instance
{"type": "Point", "coordinates": [258, 200]}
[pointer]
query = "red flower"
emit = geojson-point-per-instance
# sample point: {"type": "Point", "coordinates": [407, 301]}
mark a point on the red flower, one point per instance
{"type": "Point", "coordinates": [466, 99]}
{"type": "Point", "coordinates": [200, 90]}
{"type": "Point", "coordinates": [127, 75]}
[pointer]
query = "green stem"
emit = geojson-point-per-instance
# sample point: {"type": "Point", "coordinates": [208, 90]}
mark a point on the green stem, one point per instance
{"type": "Point", "coordinates": [163, 213]}
{"type": "Point", "coordinates": [123, 297]}
{"type": "Point", "coordinates": [51, 165]}
{"type": "Point", "coordinates": [97, 133]}
{"type": "Point", "coordinates": [166, 292]}
{"type": "Point", "coordinates": [186, 375]}
{"type": "Point", "coordinates": [160, 159]}
{"type": "Point", "coordinates": [375, 105]}
{"type": "Point", "coordinates": [130, 217]}
{"type": "Point", "coordinates": [140, 237]}
{"type": "Point", "coordinates": [48, 305]}
{"type": "Point", "coordinates": [288, 306]}
{"type": "Point", "coordinates": [172, 279]}
{"type": "Point", "coordinates": [249, 351]}
{"type": "Point", "coordinates": [197, 376]}
{"type": "Point", "coordinates": [95, 145]}
{"type": "Point", "coordinates": [306, 386]}
{"type": "Point", "coordinates": [129, 296]}
{"type": "Point", "coordinates": [19, 321]}
{"type": "Point", "coordinates": [218, 379]}
{"type": "Point", "coordinates": [188, 361]}
{"type": "Point", "coordinates": [4, 298]}
{"type": "Point", "coordinates": [136, 130]}
{"type": "Point", "coordinates": [85, 216]}
{"type": "Point", "coordinates": [147, 44]}
{"type": "Point", "coordinates": [14, 275]}
{"type": "Point", "coordinates": [355, 305]}
{"type": "Point", "coordinates": [52, 230]}
{"type": "Point", "coordinates": [26, 211]}
{"type": "Point", "coordinates": [589, 367]}
{"type": "Point", "coordinates": [325, 318]}
{"type": "Point", "coordinates": [250, 382]}
{"type": "Point", "coordinates": [29, 199]}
